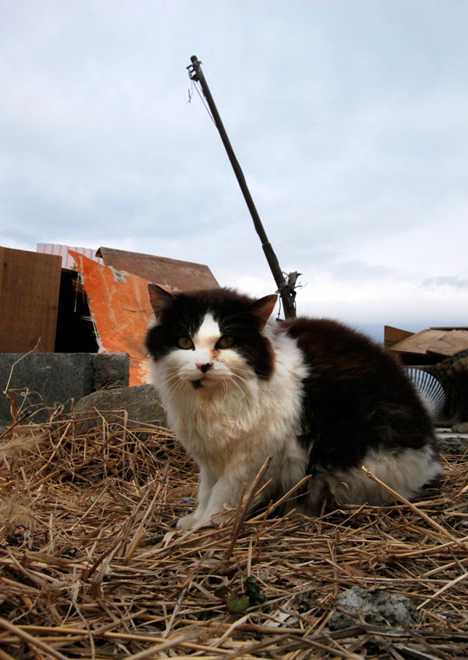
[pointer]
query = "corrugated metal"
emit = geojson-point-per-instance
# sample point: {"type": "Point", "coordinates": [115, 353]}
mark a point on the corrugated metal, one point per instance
{"type": "Point", "coordinates": [121, 311]}
{"type": "Point", "coordinates": [62, 251]}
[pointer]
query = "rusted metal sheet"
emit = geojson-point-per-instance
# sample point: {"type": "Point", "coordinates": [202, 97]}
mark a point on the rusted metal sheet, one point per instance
{"type": "Point", "coordinates": [62, 250]}
{"type": "Point", "coordinates": [29, 292]}
{"type": "Point", "coordinates": [172, 273]}
{"type": "Point", "coordinates": [438, 341]}
{"type": "Point", "coordinates": [393, 335]}
{"type": "Point", "coordinates": [121, 311]}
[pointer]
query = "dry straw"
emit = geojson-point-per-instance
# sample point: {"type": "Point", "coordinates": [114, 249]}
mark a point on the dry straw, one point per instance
{"type": "Point", "coordinates": [91, 565]}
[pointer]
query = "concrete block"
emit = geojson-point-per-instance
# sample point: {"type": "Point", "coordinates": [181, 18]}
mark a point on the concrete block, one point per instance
{"type": "Point", "coordinates": [110, 370]}
{"type": "Point", "coordinates": [48, 379]}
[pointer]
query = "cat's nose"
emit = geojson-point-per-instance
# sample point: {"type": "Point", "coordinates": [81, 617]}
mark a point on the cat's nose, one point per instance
{"type": "Point", "coordinates": [204, 367]}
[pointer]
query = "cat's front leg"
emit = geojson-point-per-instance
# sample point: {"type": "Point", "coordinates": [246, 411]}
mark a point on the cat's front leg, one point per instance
{"type": "Point", "coordinates": [205, 484]}
{"type": "Point", "coordinates": [226, 491]}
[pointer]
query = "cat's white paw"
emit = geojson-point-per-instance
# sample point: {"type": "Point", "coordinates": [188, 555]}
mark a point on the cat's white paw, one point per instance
{"type": "Point", "coordinates": [186, 522]}
{"type": "Point", "coordinates": [193, 522]}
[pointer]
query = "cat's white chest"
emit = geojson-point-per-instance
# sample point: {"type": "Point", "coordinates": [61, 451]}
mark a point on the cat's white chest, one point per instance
{"type": "Point", "coordinates": [216, 432]}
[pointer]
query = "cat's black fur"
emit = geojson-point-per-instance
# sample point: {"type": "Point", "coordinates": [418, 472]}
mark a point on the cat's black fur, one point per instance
{"type": "Point", "coordinates": [356, 398]}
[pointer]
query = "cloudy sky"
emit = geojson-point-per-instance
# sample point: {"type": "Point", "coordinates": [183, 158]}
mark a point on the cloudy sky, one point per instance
{"type": "Point", "coordinates": [349, 120]}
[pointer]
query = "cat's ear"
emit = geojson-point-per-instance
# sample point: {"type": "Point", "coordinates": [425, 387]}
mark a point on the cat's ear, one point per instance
{"type": "Point", "coordinates": [159, 297]}
{"type": "Point", "coordinates": [263, 308]}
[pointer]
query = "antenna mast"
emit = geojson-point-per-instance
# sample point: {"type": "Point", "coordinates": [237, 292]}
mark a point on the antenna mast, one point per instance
{"type": "Point", "coordinates": [286, 288]}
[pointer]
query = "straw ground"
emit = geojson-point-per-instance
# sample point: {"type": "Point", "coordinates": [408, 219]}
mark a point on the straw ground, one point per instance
{"type": "Point", "coordinates": [91, 565]}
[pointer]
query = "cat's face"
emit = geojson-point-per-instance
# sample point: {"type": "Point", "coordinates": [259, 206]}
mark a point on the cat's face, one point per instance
{"type": "Point", "coordinates": [208, 339]}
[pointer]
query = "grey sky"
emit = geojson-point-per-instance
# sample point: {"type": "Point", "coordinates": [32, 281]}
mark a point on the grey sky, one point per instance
{"type": "Point", "coordinates": [349, 119]}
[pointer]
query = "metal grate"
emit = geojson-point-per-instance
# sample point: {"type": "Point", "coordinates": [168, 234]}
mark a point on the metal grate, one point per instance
{"type": "Point", "coordinates": [429, 388]}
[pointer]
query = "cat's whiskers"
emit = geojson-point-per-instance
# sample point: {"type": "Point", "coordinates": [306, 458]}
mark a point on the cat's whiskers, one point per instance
{"type": "Point", "coordinates": [171, 379]}
{"type": "Point", "coordinates": [175, 389]}
{"type": "Point", "coordinates": [237, 385]}
{"type": "Point", "coordinates": [173, 374]}
{"type": "Point", "coordinates": [175, 384]}
{"type": "Point", "coordinates": [241, 379]}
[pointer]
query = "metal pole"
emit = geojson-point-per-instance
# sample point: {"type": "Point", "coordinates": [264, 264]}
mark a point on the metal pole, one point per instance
{"type": "Point", "coordinates": [285, 290]}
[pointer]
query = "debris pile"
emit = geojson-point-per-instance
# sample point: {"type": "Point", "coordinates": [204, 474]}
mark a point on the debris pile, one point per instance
{"type": "Point", "coordinates": [91, 565]}
{"type": "Point", "coordinates": [75, 300]}
{"type": "Point", "coordinates": [443, 354]}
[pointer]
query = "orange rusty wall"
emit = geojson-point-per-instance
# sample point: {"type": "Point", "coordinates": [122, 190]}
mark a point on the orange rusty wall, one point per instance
{"type": "Point", "coordinates": [120, 307]}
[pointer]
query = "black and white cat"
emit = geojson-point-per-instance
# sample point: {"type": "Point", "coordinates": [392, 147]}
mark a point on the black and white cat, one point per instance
{"type": "Point", "coordinates": [314, 395]}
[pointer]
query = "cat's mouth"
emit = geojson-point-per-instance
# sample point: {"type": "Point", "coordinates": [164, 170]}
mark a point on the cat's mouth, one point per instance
{"type": "Point", "coordinates": [204, 383]}
{"type": "Point", "coordinates": [196, 384]}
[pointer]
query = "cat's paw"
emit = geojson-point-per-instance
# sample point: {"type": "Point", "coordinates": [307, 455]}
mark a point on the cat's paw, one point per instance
{"type": "Point", "coordinates": [193, 522]}
{"type": "Point", "coordinates": [187, 522]}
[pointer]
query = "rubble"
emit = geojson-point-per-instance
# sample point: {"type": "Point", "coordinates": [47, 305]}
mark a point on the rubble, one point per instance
{"type": "Point", "coordinates": [358, 605]}
{"type": "Point", "coordinates": [140, 404]}
{"type": "Point", "coordinates": [451, 442]}
{"type": "Point", "coordinates": [68, 300]}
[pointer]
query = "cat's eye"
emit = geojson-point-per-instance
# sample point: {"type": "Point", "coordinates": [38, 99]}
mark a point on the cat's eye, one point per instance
{"type": "Point", "coordinates": [226, 341]}
{"type": "Point", "coordinates": [185, 342]}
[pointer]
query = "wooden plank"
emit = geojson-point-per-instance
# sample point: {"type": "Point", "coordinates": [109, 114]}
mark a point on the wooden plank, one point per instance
{"type": "Point", "coordinates": [121, 311]}
{"type": "Point", "coordinates": [172, 273]}
{"type": "Point", "coordinates": [433, 341]}
{"type": "Point", "coordinates": [450, 343]}
{"type": "Point", "coordinates": [29, 292]}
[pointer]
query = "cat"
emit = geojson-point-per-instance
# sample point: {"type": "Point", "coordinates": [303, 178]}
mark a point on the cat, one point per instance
{"type": "Point", "coordinates": [317, 397]}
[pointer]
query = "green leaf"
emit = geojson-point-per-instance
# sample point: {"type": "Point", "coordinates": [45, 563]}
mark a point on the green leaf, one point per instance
{"type": "Point", "coordinates": [254, 591]}
{"type": "Point", "coordinates": [237, 604]}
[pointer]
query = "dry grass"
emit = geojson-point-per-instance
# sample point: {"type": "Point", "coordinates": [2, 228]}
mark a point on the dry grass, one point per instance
{"type": "Point", "coordinates": [91, 565]}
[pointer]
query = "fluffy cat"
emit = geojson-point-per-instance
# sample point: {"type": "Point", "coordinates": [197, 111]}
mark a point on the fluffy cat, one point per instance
{"type": "Point", "coordinates": [314, 395]}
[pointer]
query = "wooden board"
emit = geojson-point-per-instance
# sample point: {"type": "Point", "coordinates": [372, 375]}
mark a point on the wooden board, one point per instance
{"type": "Point", "coordinates": [171, 273]}
{"type": "Point", "coordinates": [443, 342]}
{"type": "Point", "coordinates": [450, 343]}
{"type": "Point", "coordinates": [29, 291]}
{"type": "Point", "coordinates": [121, 311]}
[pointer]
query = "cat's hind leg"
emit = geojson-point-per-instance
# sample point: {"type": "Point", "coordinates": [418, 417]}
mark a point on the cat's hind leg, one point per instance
{"type": "Point", "coordinates": [405, 471]}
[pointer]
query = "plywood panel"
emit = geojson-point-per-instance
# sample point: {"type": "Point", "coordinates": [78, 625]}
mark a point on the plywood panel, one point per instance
{"type": "Point", "coordinates": [420, 342]}
{"type": "Point", "coordinates": [452, 342]}
{"type": "Point", "coordinates": [446, 342]}
{"type": "Point", "coordinates": [171, 273]}
{"type": "Point", "coordinates": [29, 291]}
